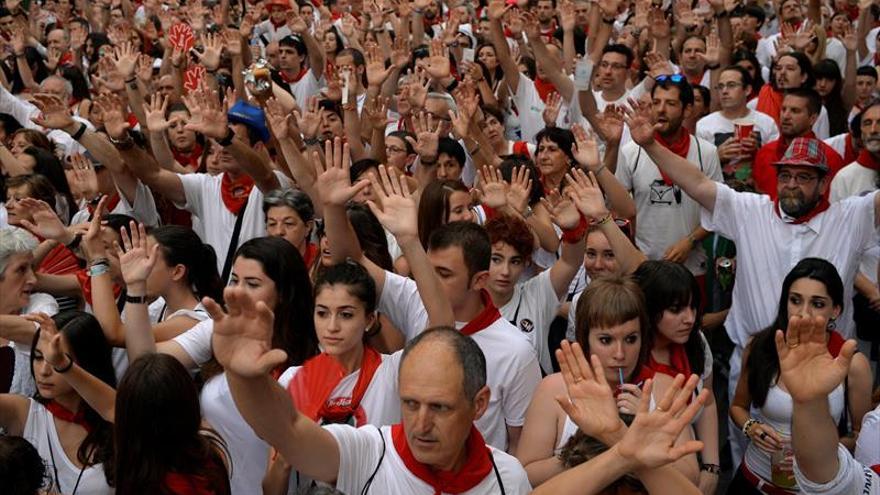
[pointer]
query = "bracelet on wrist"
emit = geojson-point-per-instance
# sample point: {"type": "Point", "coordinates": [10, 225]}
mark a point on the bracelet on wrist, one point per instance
{"type": "Point", "coordinates": [79, 132]}
{"type": "Point", "coordinates": [607, 218]}
{"type": "Point", "coordinates": [576, 234]}
{"type": "Point", "coordinates": [607, 20]}
{"type": "Point", "coordinates": [75, 242]}
{"type": "Point", "coordinates": [66, 368]}
{"type": "Point", "coordinates": [312, 141]}
{"type": "Point", "coordinates": [98, 270]}
{"type": "Point", "coordinates": [126, 143]}
{"type": "Point", "coordinates": [748, 425]}
{"type": "Point", "coordinates": [99, 261]}
{"type": "Point", "coordinates": [428, 162]}
{"type": "Point", "coordinates": [711, 468]}
{"type": "Point", "coordinates": [227, 139]}
{"type": "Point", "coordinates": [130, 299]}
{"type": "Point", "coordinates": [600, 169]}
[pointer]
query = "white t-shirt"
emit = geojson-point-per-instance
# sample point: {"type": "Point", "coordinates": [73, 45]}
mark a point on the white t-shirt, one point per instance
{"type": "Point", "coordinates": [868, 445]}
{"type": "Point", "coordinates": [822, 128]}
{"type": "Point", "coordinates": [716, 128]}
{"type": "Point", "coordinates": [532, 309]}
{"type": "Point", "coordinates": [665, 214]}
{"type": "Point", "coordinates": [530, 107]}
{"type": "Point", "coordinates": [40, 431]}
{"type": "Point", "coordinates": [142, 209]}
{"type": "Point", "coordinates": [266, 32]}
{"type": "Point", "coordinates": [511, 364]}
{"type": "Point", "coordinates": [768, 248]}
{"type": "Point", "coordinates": [854, 179]}
{"type": "Point", "coordinates": [361, 450]}
{"type": "Point", "coordinates": [305, 88]}
{"type": "Point", "coordinates": [852, 478]}
{"type": "Point", "coordinates": [197, 341]}
{"type": "Point", "coordinates": [204, 200]}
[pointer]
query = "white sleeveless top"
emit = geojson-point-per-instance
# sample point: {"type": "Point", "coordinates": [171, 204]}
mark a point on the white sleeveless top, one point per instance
{"type": "Point", "coordinates": [568, 431]}
{"type": "Point", "coordinates": [776, 413]}
{"type": "Point", "coordinates": [40, 432]}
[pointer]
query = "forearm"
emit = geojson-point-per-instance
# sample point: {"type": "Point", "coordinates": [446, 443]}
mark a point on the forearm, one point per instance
{"type": "Point", "coordinates": [352, 125]}
{"type": "Point", "coordinates": [619, 199]}
{"type": "Point", "coordinates": [238, 68]}
{"type": "Point", "coordinates": [58, 285]}
{"type": "Point", "coordinates": [97, 394]}
{"type": "Point", "coordinates": [316, 54]}
{"type": "Point", "coordinates": [568, 51]}
{"type": "Point", "coordinates": [254, 164]}
{"type": "Point", "coordinates": [24, 71]}
{"type": "Point", "coordinates": [104, 309]}
{"type": "Point", "coordinates": [588, 478]}
{"type": "Point", "coordinates": [849, 80]}
{"type": "Point", "coordinates": [302, 172]}
{"type": "Point", "coordinates": [10, 164]}
{"type": "Point", "coordinates": [146, 169]}
{"type": "Point", "coordinates": [684, 173]}
{"type": "Point", "coordinates": [629, 258]}
{"type": "Point", "coordinates": [707, 432]}
{"type": "Point", "coordinates": [814, 438]}
{"type": "Point", "coordinates": [340, 235]}
{"type": "Point", "coordinates": [543, 229]}
{"type": "Point", "coordinates": [163, 154]}
{"type": "Point", "coordinates": [430, 289]}
{"type": "Point", "coordinates": [864, 285]}
{"type": "Point", "coordinates": [418, 28]}
{"type": "Point", "coordinates": [377, 145]}
{"type": "Point", "coordinates": [17, 329]}
{"type": "Point", "coordinates": [502, 51]}
{"type": "Point", "coordinates": [552, 68]}
{"type": "Point", "coordinates": [667, 479]}
{"type": "Point", "coordinates": [541, 471]}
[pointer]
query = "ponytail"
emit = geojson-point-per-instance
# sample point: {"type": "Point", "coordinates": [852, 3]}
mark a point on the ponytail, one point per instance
{"type": "Point", "coordinates": [181, 246]}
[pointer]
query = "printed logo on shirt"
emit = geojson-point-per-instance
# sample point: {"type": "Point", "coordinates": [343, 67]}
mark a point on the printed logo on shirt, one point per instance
{"type": "Point", "coordinates": [662, 194]}
{"type": "Point", "coordinates": [526, 325]}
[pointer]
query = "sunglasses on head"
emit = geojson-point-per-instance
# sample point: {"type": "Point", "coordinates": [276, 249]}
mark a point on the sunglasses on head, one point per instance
{"type": "Point", "coordinates": [675, 78]}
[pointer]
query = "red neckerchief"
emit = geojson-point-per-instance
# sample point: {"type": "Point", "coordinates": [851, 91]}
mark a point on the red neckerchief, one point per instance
{"type": "Point", "coordinates": [486, 317]}
{"type": "Point", "coordinates": [319, 376]}
{"type": "Point", "coordinates": [678, 363]}
{"type": "Point", "coordinates": [112, 202]}
{"type": "Point", "coordinates": [476, 467]}
{"type": "Point", "coordinates": [85, 285]}
{"type": "Point", "coordinates": [835, 344]}
{"type": "Point", "coordinates": [65, 414]}
{"type": "Point", "coordinates": [189, 159]}
{"type": "Point", "coordinates": [278, 24]}
{"type": "Point", "coordinates": [680, 145]}
{"type": "Point", "coordinates": [66, 59]}
{"type": "Point", "coordinates": [849, 151]}
{"type": "Point", "coordinates": [295, 79]}
{"type": "Point", "coordinates": [310, 254]}
{"type": "Point", "coordinates": [696, 80]}
{"type": "Point", "coordinates": [821, 206]}
{"type": "Point", "coordinates": [544, 88]}
{"type": "Point", "coordinates": [866, 159]}
{"type": "Point", "coordinates": [235, 192]}
{"type": "Point", "coordinates": [770, 102]}
{"type": "Point", "coordinates": [521, 148]}
{"type": "Point", "coordinates": [188, 484]}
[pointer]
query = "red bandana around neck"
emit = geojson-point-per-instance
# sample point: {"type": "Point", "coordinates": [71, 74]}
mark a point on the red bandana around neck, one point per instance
{"type": "Point", "coordinates": [189, 159]}
{"type": "Point", "coordinates": [486, 317]}
{"type": "Point", "coordinates": [112, 202]}
{"type": "Point", "coordinates": [770, 102]}
{"type": "Point", "coordinates": [544, 88]}
{"type": "Point", "coordinates": [187, 484]}
{"type": "Point", "coordinates": [680, 145]}
{"type": "Point", "coordinates": [235, 192]}
{"type": "Point", "coordinates": [678, 363]}
{"type": "Point", "coordinates": [67, 415]}
{"type": "Point", "coordinates": [821, 206]}
{"type": "Point", "coordinates": [311, 387]}
{"type": "Point", "coordinates": [477, 464]}
{"type": "Point", "coordinates": [867, 159]}
{"type": "Point", "coordinates": [295, 79]}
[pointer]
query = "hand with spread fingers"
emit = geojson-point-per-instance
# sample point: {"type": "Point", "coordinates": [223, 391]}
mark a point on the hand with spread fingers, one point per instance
{"type": "Point", "coordinates": [399, 212]}
{"type": "Point", "coordinates": [333, 177]}
{"type": "Point", "coordinates": [136, 260]}
{"type": "Point", "coordinates": [584, 191]}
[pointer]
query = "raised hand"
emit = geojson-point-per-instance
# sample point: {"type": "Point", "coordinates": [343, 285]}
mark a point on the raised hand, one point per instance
{"type": "Point", "coordinates": [850, 38]}
{"type": "Point", "coordinates": [155, 113]}
{"type": "Point", "coordinates": [125, 58]}
{"type": "Point", "coordinates": [609, 124]}
{"type": "Point", "coordinates": [427, 139]}
{"type": "Point", "coordinates": [399, 212]}
{"type": "Point", "coordinates": [375, 112]}
{"type": "Point", "coordinates": [640, 120]}
{"type": "Point", "coordinates": [400, 52]}
{"type": "Point", "coordinates": [377, 73]}
{"type": "Point", "coordinates": [520, 190]}
{"type": "Point", "coordinates": [713, 49]}
{"type": "Point", "coordinates": [54, 112]}
{"type": "Point", "coordinates": [551, 109]}
{"type": "Point", "coordinates": [212, 48]}
{"type": "Point", "coordinates": [437, 64]}
{"type": "Point", "coordinates": [277, 118]}
{"type": "Point", "coordinates": [650, 440]}
{"type": "Point", "coordinates": [296, 22]}
{"type": "Point", "coordinates": [92, 244]}
{"type": "Point", "coordinates": [46, 223]}
{"type": "Point", "coordinates": [112, 107]}
{"type": "Point", "coordinates": [567, 15]}
{"type": "Point", "coordinates": [208, 115]}
{"type": "Point", "coordinates": [232, 42]}
{"type": "Point", "coordinates": [494, 189]}
{"type": "Point", "coordinates": [136, 260]}
{"type": "Point", "coordinates": [590, 402]}
{"type": "Point", "coordinates": [310, 121]}
{"type": "Point", "coordinates": [144, 70]}
{"type": "Point", "coordinates": [585, 148]}
{"type": "Point", "coordinates": [242, 339]}
{"type": "Point", "coordinates": [807, 369]}
{"type": "Point", "coordinates": [563, 212]}
{"type": "Point", "coordinates": [50, 338]}
{"type": "Point", "coordinates": [497, 9]}
{"type": "Point", "coordinates": [418, 88]}
{"type": "Point", "coordinates": [583, 190]}
{"type": "Point", "coordinates": [82, 177]}
{"type": "Point", "coordinates": [333, 177]}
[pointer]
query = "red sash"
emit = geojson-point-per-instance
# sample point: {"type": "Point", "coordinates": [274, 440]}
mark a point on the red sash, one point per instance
{"type": "Point", "coordinates": [680, 145]}
{"type": "Point", "coordinates": [235, 192]}
{"type": "Point", "coordinates": [310, 389]}
{"type": "Point", "coordinates": [486, 317]}
{"type": "Point", "coordinates": [67, 415]}
{"type": "Point", "coordinates": [867, 159]}
{"type": "Point", "coordinates": [476, 467]}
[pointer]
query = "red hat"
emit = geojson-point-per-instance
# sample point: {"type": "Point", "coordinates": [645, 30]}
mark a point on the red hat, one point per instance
{"type": "Point", "coordinates": [284, 4]}
{"type": "Point", "coordinates": [805, 152]}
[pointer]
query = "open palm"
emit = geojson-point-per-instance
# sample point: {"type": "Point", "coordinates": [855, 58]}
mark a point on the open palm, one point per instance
{"type": "Point", "coordinates": [399, 212]}
{"type": "Point", "coordinates": [586, 194]}
{"type": "Point", "coordinates": [136, 261]}
{"type": "Point", "coordinates": [807, 368]}
{"type": "Point", "coordinates": [334, 178]}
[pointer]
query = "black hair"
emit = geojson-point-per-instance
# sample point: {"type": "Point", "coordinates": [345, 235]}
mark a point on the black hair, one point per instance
{"type": "Point", "coordinates": [359, 61]}
{"type": "Point", "coordinates": [159, 430]}
{"type": "Point", "coordinates": [339, 44]}
{"type": "Point", "coordinates": [357, 280]}
{"type": "Point", "coordinates": [469, 355]}
{"type": "Point", "coordinates": [671, 286]}
{"type": "Point", "coordinates": [91, 352]}
{"type": "Point", "coordinates": [452, 148]}
{"type": "Point", "coordinates": [838, 115]}
{"type": "Point", "coordinates": [434, 206]}
{"type": "Point", "coordinates": [749, 56]}
{"type": "Point", "coordinates": [685, 90]}
{"type": "Point", "coordinates": [745, 75]}
{"type": "Point", "coordinates": [361, 166]}
{"type": "Point", "coordinates": [763, 361]}
{"type": "Point", "coordinates": [756, 12]}
{"type": "Point", "coordinates": [370, 234]}
{"type": "Point", "coordinates": [706, 94]}
{"type": "Point", "coordinates": [74, 75]}
{"type": "Point", "coordinates": [472, 239]}
{"type": "Point", "coordinates": [510, 162]}
{"type": "Point", "coordinates": [621, 49]}
{"type": "Point", "coordinates": [330, 106]}
{"type": "Point", "coordinates": [22, 469]}
{"type": "Point", "coordinates": [814, 101]}
{"type": "Point", "coordinates": [37, 65]}
{"type": "Point", "coordinates": [98, 40]}
{"type": "Point", "coordinates": [867, 70]}
{"type": "Point", "coordinates": [531, 66]}
{"type": "Point", "coordinates": [402, 135]}
{"type": "Point", "coordinates": [804, 64]}
{"type": "Point", "coordinates": [562, 137]}
{"type": "Point", "coordinates": [491, 77]}
{"type": "Point", "coordinates": [49, 166]}
{"type": "Point", "coordinates": [181, 246]}
{"type": "Point", "coordinates": [581, 448]}
{"type": "Point", "coordinates": [296, 42]}
{"type": "Point", "coordinates": [284, 265]}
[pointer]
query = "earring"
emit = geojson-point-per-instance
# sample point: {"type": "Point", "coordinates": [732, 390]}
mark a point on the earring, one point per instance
{"type": "Point", "coordinates": [832, 324]}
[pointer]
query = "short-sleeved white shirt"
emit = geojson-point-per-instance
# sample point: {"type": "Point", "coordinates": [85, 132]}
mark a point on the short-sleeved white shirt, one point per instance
{"type": "Point", "coordinates": [512, 367]}
{"type": "Point", "coordinates": [664, 213]}
{"type": "Point", "coordinates": [868, 445]}
{"type": "Point", "coordinates": [305, 88]}
{"type": "Point", "coordinates": [854, 179]}
{"type": "Point", "coordinates": [361, 451]}
{"type": "Point", "coordinates": [852, 478]}
{"type": "Point", "coordinates": [530, 107]}
{"type": "Point", "coordinates": [716, 128]}
{"type": "Point", "coordinates": [142, 209]}
{"type": "Point", "coordinates": [204, 200]}
{"type": "Point", "coordinates": [768, 248]}
{"type": "Point", "coordinates": [197, 341]}
{"type": "Point", "coordinates": [532, 309]}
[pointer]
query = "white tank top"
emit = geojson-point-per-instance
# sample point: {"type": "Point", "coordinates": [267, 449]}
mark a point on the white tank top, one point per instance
{"type": "Point", "coordinates": [40, 432]}
{"type": "Point", "coordinates": [568, 431]}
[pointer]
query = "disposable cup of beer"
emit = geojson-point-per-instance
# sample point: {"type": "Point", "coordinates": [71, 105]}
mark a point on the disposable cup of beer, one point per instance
{"type": "Point", "coordinates": [743, 128]}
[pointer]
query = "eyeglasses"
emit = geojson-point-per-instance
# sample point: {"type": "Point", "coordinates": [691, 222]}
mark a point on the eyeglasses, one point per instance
{"type": "Point", "coordinates": [611, 65]}
{"type": "Point", "coordinates": [731, 86]}
{"type": "Point", "coordinates": [675, 78]}
{"type": "Point", "coordinates": [800, 179]}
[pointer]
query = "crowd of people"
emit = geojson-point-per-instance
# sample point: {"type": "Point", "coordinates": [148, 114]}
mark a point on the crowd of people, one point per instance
{"type": "Point", "coordinates": [440, 247]}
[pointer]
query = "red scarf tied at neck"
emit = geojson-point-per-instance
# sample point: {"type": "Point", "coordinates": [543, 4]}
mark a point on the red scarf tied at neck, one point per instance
{"type": "Point", "coordinates": [867, 159]}
{"type": "Point", "coordinates": [66, 415]}
{"type": "Point", "coordinates": [477, 464]}
{"type": "Point", "coordinates": [680, 144]}
{"type": "Point", "coordinates": [678, 364]}
{"type": "Point", "coordinates": [821, 206]}
{"type": "Point", "coordinates": [486, 317]}
{"type": "Point", "coordinates": [235, 192]}
{"type": "Point", "coordinates": [310, 389]}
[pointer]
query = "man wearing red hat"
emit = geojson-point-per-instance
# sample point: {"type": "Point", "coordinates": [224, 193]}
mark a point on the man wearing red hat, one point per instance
{"type": "Point", "coordinates": [275, 27]}
{"type": "Point", "coordinates": [772, 236]}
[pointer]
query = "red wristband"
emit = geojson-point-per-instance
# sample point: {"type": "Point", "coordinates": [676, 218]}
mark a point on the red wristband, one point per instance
{"type": "Point", "coordinates": [575, 235]}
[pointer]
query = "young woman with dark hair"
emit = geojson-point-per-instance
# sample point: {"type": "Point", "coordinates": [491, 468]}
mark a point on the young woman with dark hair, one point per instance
{"type": "Point", "coordinates": [443, 201]}
{"type": "Point", "coordinates": [762, 407]}
{"type": "Point", "coordinates": [73, 439]}
{"type": "Point", "coordinates": [838, 94]}
{"type": "Point", "coordinates": [679, 347]}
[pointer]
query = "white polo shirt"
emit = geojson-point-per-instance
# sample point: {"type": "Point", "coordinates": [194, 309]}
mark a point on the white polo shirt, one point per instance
{"type": "Point", "coordinates": [532, 309]}
{"type": "Point", "coordinates": [664, 213]}
{"type": "Point", "coordinates": [204, 200]}
{"type": "Point", "coordinates": [768, 248]}
{"type": "Point", "coordinates": [362, 450]}
{"type": "Point", "coordinates": [511, 364]}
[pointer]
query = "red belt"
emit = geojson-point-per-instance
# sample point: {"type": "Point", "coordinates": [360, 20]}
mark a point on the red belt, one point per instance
{"type": "Point", "coordinates": [761, 485]}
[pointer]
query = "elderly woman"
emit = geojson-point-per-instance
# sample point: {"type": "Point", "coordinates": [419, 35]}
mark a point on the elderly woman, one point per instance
{"type": "Point", "coordinates": [17, 297]}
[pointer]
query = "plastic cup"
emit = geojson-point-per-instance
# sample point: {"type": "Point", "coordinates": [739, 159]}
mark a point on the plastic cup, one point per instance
{"type": "Point", "coordinates": [743, 129]}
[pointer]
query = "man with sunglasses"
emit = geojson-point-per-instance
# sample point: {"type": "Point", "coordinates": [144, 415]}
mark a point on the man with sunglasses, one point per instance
{"type": "Point", "coordinates": [772, 236]}
{"type": "Point", "coordinates": [668, 221]}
